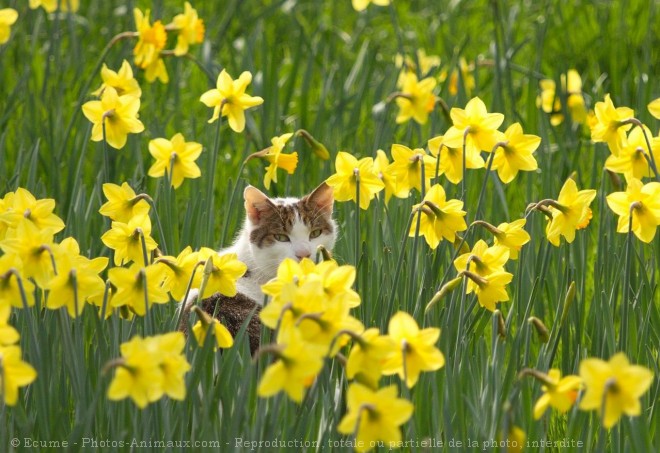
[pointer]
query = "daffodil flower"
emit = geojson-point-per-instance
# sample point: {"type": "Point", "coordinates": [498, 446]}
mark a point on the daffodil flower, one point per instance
{"type": "Point", "coordinates": [474, 126]}
{"type": "Point", "coordinates": [190, 29]}
{"type": "Point", "coordinates": [126, 239]}
{"type": "Point", "coordinates": [559, 392]}
{"type": "Point", "coordinates": [515, 154]}
{"type": "Point", "coordinates": [176, 158]}
{"type": "Point", "coordinates": [374, 416]}
{"type": "Point", "coordinates": [440, 218]}
{"type": "Point", "coordinates": [642, 202]}
{"type": "Point", "coordinates": [407, 167]}
{"type": "Point", "coordinates": [133, 283]}
{"type": "Point", "coordinates": [123, 204]}
{"type": "Point", "coordinates": [229, 99]}
{"type": "Point", "coordinates": [349, 170]}
{"type": "Point", "coordinates": [416, 99]}
{"type": "Point", "coordinates": [416, 351]}
{"type": "Point", "coordinates": [15, 373]}
{"type": "Point", "coordinates": [118, 113]}
{"type": "Point", "coordinates": [122, 81]}
{"type": "Point", "coordinates": [8, 17]}
{"type": "Point", "coordinates": [613, 388]}
{"type": "Point", "coordinates": [50, 6]}
{"type": "Point", "coordinates": [570, 212]}
{"type": "Point", "coordinates": [611, 124]}
{"type": "Point", "coordinates": [634, 156]}
{"type": "Point", "coordinates": [451, 159]}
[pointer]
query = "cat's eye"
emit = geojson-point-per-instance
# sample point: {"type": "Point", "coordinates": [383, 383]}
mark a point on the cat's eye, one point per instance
{"type": "Point", "coordinates": [282, 237]}
{"type": "Point", "coordinates": [315, 233]}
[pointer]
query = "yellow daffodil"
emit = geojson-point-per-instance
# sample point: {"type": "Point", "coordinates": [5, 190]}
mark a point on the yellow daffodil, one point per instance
{"type": "Point", "coordinates": [440, 218]}
{"type": "Point", "coordinates": [50, 6]}
{"type": "Point", "coordinates": [8, 335]}
{"type": "Point", "coordinates": [374, 416]}
{"type": "Point", "coordinates": [151, 39]}
{"type": "Point", "coordinates": [179, 270]}
{"type": "Point", "coordinates": [10, 292]}
{"type": "Point", "coordinates": [35, 249]}
{"type": "Point", "coordinates": [642, 201]}
{"type": "Point", "coordinates": [173, 362]}
{"type": "Point", "coordinates": [610, 126]}
{"type": "Point", "coordinates": [14, 373]}
{"type": "Point", "coordinates": [122, 81]}
{"type": "Point", "coordinates": [190, 29]}
{"type": "Point", "coordinates": [138, 288]}
{"type": "Point", "coordinates": [156, 70]}
{"type": "Point", "coordinates": [415, 349]}
{"type": "Point", "coordinates": [512, 236]}
{"type": "Point", "coordinates": [230, 97]}
{"type": "Point", "coordinates": [483, 261]}
{"type": "Point", "coordinates": [613, 387]}
{"type": "Point", "coordinates": [466, 78]}
{"type": "Point", "coordinates": [206, 324]}
{"type": "Point", "coordinates": [344, 182]}
{"type": "Point", "coordinates": [383, 170]}
{"type": "Point", "coordinates": [415, 99]}
{"type": "Point", "coordinates": [475, 126]}
{"type": "Point", "coordinates": [125, 239]}
{"type": "Point", "coordinates": [632, 159]}
{"type": "Point", "coordinates": [277, 159]}
{"type": "Point", "coordinates": [549, 102]}
{"type": "Point", "coordinates": [139, 376]}
{"type": "Point", "coordinates": [176, 156]}
{"type": "Point", "coordinates": [516, 154]}
{"type": "Point", "coordinates": [489, 289]}
{"type": "Point", "coordinates": [367, 356]}
{"type": "Point", "coordinates": [571, 212]}
{"type": "Point", "coordinates": [361, 5]}
{"type": "Point", "coordinates": [8, 17]}
{"type": "Point", "coordinates": [24, 205]}
{"type": "Point", "coordinates": [76, 280]}
{"type": "Point", "coordinates": [296, 368]}
{"type": "Point", "coordinates": [226, 270]}
{"type": "Point", "coordinates": [407, 167]}
{"type": "Point", "coordinates": [451, 159]}
{"type": "Point", "coordinates": [654, 108]}
{"type": "Point", "coordinates": [150, 368]}
{"type": "Point", "coordinates": [123, 204]}
{"type": "Point", "coordinates": [559, 393]}
{"type": "Point", "coordinates": [120, 115]}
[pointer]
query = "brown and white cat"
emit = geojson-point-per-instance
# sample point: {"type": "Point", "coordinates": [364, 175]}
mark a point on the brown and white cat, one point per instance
{"type": "Point", "coordinates": [279, 228]}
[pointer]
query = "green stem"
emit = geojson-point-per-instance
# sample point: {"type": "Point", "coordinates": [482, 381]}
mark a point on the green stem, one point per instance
{"type": "Point", "coordinates": [231, 204]}
{"type": "Point", "coordinates": [356, 172]}
{"type": "Point", "coordinates": [626, 283]}
{"type": "Point", "coordinates": [491, 158]}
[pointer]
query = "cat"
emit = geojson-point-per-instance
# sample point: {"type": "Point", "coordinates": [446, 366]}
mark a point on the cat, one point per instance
{"type": "Point", "coordinates": [279, 228]}
{"type": "Point", "coordinates": [273, 229]}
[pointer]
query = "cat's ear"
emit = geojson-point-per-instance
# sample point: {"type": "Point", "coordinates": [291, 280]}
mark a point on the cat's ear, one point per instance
{"type": "Point", "coordinates": [321, 198]}
{"type": "Point", "coordinates": [257, 204]}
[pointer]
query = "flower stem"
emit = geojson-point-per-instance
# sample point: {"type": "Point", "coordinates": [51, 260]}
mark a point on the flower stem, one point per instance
{"type": "Point", "coordinates": [626, 283]}
{"type": "Point", "coordinates": [491, 157]}
{"type": "Point", "coordinates": [356, 172]}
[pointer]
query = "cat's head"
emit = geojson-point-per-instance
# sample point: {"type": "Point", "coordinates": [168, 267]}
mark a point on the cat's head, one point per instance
{"type": "Point", "coordinates": [289, 227]}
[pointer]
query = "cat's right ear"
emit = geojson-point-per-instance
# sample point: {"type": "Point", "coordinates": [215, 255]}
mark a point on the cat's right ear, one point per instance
{"type": "Point", "coordinates": [257, 204]}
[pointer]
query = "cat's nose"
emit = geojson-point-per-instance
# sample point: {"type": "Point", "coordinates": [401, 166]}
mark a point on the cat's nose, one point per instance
{"type": "Point", "coordinates": [302, 254]}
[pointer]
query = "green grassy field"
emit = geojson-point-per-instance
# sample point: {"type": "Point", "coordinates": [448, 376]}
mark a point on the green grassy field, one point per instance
{"type": "Point", "coordinates": [326, 68]}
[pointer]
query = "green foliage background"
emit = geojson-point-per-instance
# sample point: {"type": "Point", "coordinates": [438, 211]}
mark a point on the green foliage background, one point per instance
{"type": "Point", "coordinates": [323, 67]}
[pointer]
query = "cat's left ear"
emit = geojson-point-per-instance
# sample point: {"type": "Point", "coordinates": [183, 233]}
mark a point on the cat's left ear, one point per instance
{"type": "Point", "coordinates": [321, 198]}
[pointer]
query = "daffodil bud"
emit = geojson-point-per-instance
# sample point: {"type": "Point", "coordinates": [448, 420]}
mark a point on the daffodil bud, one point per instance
{"type": "Point", "coordinates": [541, 329]}
{"type": "Point", "coordinates": [318, 148]}
{"type": "Point", "coordinates": [446, 288]}
{"type": "Point", "coordinates": [568, 300]}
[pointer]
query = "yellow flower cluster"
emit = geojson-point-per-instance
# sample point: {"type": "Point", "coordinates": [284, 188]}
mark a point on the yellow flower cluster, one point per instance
{"type": "Point", "coordinates": [550, 102]}
{"type": "Point", "coordinates": [14, 372]}
{"type": "Point", "coordinates": [310, 309]}
{"type": "Point", "coordinates": [150, 368]}
{"type": "Point", "coordinates": [149, 279]}
{"type": "Point", "coordinates": [612, 388]}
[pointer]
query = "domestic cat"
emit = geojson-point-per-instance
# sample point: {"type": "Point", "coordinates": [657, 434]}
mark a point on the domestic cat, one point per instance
{"type": "Point", "coordinates": [279, 228]}
{"type": "Point", "coordinates": [274, 229]}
